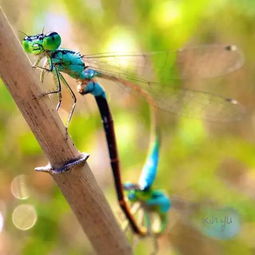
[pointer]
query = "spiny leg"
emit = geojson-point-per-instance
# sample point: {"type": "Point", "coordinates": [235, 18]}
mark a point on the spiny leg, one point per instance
{"type": "Point", "coordinates": [56, 77]}
{"type": "Point", "coordinates": [59, 88]}
{"type": "Point", "coordinates": [74, 99]}
{"type": "Point", "coordinates": [148, 222]}
{"type": "Point", "coordinates": [140, 214]}
{"type": "Point", "coordinates": [52, 68]}
{"type": "Point", "coordinates": [137, 210]}
{"type": "Point", "coordinates": [42, 68]}
{"type": "Point", "coordinates": [42, 74]}
{"type": "Point", "coordinates": [35, 65]}
{"type": "Point", "coordinates": [155, 245]}
{"type": "Point", "coordinates": [126, 226]}
{"type": "Point", "coordinates": [134, 208]}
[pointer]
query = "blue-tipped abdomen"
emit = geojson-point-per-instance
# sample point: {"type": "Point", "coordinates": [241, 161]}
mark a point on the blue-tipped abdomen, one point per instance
{"type": "Point", "coordinates": [149, 171]}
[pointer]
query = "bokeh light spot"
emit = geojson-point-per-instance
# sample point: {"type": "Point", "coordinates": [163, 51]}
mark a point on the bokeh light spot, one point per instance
{"type": "Point", "coordinates": [120, 41]}
{"type": "Point", "coordinates": [19, 187]}
{"type": "Point", "coordinates": [167, 13]}
{"type": "Point", "coordinates": [1, 222]}
{"type": "Point", "coordinates": [24, 216]}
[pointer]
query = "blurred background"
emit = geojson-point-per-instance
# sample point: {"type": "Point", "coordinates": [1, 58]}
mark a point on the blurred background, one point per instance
{"type": "Point", "coordinates": [207, 168]}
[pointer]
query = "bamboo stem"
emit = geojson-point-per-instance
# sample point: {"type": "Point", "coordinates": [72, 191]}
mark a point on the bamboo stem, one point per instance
{"type": "Point", "coordinates": [77, 185]}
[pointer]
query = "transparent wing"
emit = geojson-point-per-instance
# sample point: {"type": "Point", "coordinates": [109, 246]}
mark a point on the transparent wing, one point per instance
{"type": "Point", "coordinates": [185, 102]}
{"type": "Point", "coordinates": [198, 104]}
{"type": "Point", "coordinates": [147, 74]}
{"type": "Point", "coordinates": [204, 61]}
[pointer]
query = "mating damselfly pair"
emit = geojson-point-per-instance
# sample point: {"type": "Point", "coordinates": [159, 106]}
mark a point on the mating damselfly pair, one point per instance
{"type": "Point", "coordinates": [149, 75]}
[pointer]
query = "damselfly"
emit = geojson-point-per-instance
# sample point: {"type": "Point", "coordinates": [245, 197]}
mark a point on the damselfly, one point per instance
{"type": "Point", "coordinates": [150, 206]}
{"type": "Point", "coordinates": [149, 75]}
{"type": "Point", "coordinates": [149, 200]}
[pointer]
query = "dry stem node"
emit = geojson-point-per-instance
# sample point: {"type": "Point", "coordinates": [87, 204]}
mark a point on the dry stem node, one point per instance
{"type": "Point", "coordinates": [66, 167]}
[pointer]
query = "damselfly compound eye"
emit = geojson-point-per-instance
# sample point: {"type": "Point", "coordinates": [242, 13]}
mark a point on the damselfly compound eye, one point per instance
{"type": "Point", "coordinates": [51, 41]}
{"type": "Point", "coordinates": [25, 44]}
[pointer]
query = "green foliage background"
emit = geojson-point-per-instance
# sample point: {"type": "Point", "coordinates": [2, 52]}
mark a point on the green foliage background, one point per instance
{"type": "Point", "coordinates": [201, 162]}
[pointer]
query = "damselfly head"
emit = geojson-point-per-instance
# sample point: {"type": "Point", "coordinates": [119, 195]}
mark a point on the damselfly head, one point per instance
{"type": "Point", "coordinates": [132, 191]}
{"type": "Point", "coordinates": [135, 193]}
{"type": "Point", "coordinates": [37, 44]}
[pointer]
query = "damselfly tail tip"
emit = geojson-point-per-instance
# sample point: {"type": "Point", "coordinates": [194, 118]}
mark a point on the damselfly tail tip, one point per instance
{"type": "Point", "coordinates": [231, 48]}
{"type": "Point", "coordinates": [240, 111]}
{"type": "Point", "coordinates": [231, 100]}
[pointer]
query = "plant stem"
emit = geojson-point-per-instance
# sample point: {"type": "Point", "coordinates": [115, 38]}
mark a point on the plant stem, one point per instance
{"type": "Point", "coordinates": [78, 185]}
